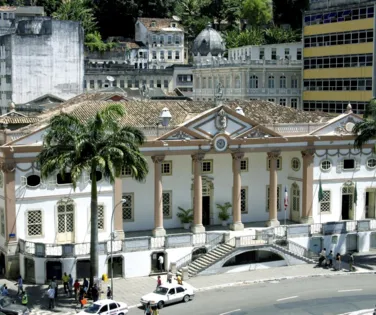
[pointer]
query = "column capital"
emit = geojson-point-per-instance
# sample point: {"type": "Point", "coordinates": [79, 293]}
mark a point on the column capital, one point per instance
{"type": "Point", "coordinates": [7, 166]}
{"type": "Point", "coordinates": [309, 153]}
{"type": "Point", "coordinates": [237, 155]}
{"type": "Point", "coordinates": [158, 158]}
{"type": "Point", "coordinates": [274, 155]}
{"type": "Point", "coordinates": [198, 157]}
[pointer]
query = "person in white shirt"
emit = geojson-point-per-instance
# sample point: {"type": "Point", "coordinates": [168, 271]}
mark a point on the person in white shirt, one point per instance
{"type": "Point", "coordinates": [51, 298]}
{"type": "Point", "coordinates": [322, 257]}
{"type": "Point", "coordinates": [161, 262]}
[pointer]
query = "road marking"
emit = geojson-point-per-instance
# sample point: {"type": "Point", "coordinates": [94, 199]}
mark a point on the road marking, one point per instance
{"type": "Point", "coordinates": [353, 290]}
{"type": "Point", "coordinates": [288, 298]}
{"type": "Point", "coordinates": [231, 312]}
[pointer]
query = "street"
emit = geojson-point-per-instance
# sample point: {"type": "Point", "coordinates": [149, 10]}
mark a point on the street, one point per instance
{"type": "Point", "coordinates": [315, 296]}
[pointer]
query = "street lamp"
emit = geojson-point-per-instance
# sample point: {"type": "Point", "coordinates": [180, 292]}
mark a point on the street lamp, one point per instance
{"type": "Point", "coordinates": [164, 119]}
{"type": "Point", "coordinates": [111, 241]}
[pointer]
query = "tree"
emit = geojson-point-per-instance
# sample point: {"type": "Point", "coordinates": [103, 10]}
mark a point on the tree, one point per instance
{"type": "Point", "coordinates": [279, 35]}
{"type": "Point", "coordinates": [101, 144]}
{"type": "Point", "coordinates": [289, 12]}
{"type": "Point", "coordinates": [366, 130]}
{"type": "Point", "coordinates": [77, 10]}
{"type": "Point", "coordinates": [50, 6]}
{"type": "Point", "coordinates": [94, 42]}
{"type": "Point", "coordinates": [257, 12]}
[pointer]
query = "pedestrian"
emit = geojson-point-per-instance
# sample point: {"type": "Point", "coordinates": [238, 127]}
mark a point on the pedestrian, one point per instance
{"type": "Point", "coordinates": [5, 291]}
{"type": "Point", "coordinates": [329, 259]}
{"type": "Point", "coordinates": [51, 297]}
{"type": "Point", "coordinates": [161, 263]}
{"type": "Point", "coordinates": [338, 261]}
{"type": "Point", "coordinates": [351, 262]}
{"type": "Point", "coordinates": [169, 276]}
{"type": "Point", "coordinates": [54, 286]}
{"type": "Point", "coordinates": [109, 293]}
{"type": "Point", "coordinates": [179, 279]}
{"type": "Point", "coordinates": [70, 285]}
{"type": "Point", "coordinates": [24, 299]}
{"type": "Point", "coordinates": [159, 281]}
{"type": "Point", "coordinates": [147, 309]}
{"type": "Point", "coordinates": [76, 287]}
{"type": "Point", "coordinates": [65, 279]}
{"type": "Point", "coordinates": [154, 310]}
{"type": "Point", "coordinates": [20, 285]}
{"type": "Point", "coordinates": [322, 257]}
{"type": "Point", "coordinates": [85, 285]}
{"type": "Point", "coordinates": [95, 293]}
{"type": "Point", "coordinates": [81, 297]}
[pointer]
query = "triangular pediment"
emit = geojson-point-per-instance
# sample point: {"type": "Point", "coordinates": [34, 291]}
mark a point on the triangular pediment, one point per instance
{"type": "Point", "coordinates": [259, 132]}
{"type": "Point", "coordinates": [27, 138]}
{"type": "Point", "coordinates": [115, 98]}
{"type": "Point", "coordinates": [223, 120]}
{"type": "Point", "coordinates": [13, 114]}
{"type": "Point", "coordinates": [341, 125]}
{"type": "Point", "coordinates": [182, 133]}
{"type": "Point", "coordinates": [46, 99]}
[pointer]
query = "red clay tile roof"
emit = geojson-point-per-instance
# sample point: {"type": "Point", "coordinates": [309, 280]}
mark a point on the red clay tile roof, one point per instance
{"type": "Point", "coordinates": [159, 24]}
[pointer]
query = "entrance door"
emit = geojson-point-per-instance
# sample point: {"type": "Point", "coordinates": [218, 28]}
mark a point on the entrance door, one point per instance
{"type": "Point", "coordinates": [351, 242]}
{"type": "Point", "coordinates": [83, 269]}
{"type": "Point", "coordinates": [65, 222]}
{"type": "Point", "coordinates": [347, 202]}
{"type": "Point", "coordinates": [117, 267]}
{"type": "Point", "coordinates": [345, 207]}
{"type": "Point", "coordinates": [315, 244]}
{"type": "Point", "coordinates": [29, 270]}
{"type": "Point", "coordinates": [370, 204]}
{"type": "Point", "coordinates": [206, 210]}
{"type": "Point", "coordinates": [295, 203]}
{"type": "Point", "coordinates": [54, 269]}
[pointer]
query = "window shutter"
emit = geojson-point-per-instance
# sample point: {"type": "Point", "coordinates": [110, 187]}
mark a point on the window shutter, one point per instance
{"type": "Point", "coordinates": [339, 166]}
{"type": "Point", "coordinates": [23, 181]}
{"type": "Point", "coordinates": [357, 164]}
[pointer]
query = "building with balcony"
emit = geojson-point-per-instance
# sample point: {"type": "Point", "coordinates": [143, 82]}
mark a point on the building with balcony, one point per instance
{"type": "Point", "coordinates": [268, 72]}
{"type": "Point", "coordinates": [164, 39]}
{"type": "Point", "coordinates": [338, 55]}
{"type": "Point", "coordinates": [247, 153]}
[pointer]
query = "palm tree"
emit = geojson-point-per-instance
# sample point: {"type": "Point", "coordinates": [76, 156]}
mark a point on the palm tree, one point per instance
{"type": "Point", "coordinates": [100, 144]}
{"type": "Point", "coordinates": [366, 130]}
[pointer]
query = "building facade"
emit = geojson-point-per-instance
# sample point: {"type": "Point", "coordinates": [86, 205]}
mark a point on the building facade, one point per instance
{"type": "Point", "coordinates": [246, 153]}
{"type": "Point", "coordinates": [338, 54]}
{"type": "Point", "coordinates": [164, 39]}
{"type": "Point", "coordinates": [43, 56]}
{"type": "Point", "coordinates": [267, 72]}
{"type": "Point", "coordinates": [9, 14]}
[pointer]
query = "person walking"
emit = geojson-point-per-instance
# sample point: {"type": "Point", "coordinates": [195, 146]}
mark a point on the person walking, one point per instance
{"type": "Point", "coordinates": [76, 287]}
{"type": "Point", "coordinates": [147, 309]}
{"type": "Point", "coordinates": [70, 285]}
{"type": "Point", "coordinates": [20, 285]}
{"type": "Point", "coordinates": [81, 297]}
{"type": "Point", "coordinates": [322, 257]}
{"type": "Point", "coordinates": [65, 279]}
{"type": "Point", "coordinates": [85, 285]}
{"type": "Point", "coordinates": [169, 276]}
{"type": "Point", "coordinates": [351, 262]}
{"type": "Point", "coordinates": [54, 286]}
{"type": "Point", "coordinates": [51, 297]}
{"type": "Point", "coordinates": [159, 281]}
{"type": "Point", "coordinates": [24, 299]}
{"type": "Point", "coordinates": [109, 293]}
{"type": "Point", "coordinates": [5, 291]}
{"type": "Point", "coordinates": [338, 261]}
{"type": "Point", "coordinates": [95, 293]}
{"type": "Point", "coordinates": [161, 263]}
{"type": "Point", "coordinates": [329, 259]}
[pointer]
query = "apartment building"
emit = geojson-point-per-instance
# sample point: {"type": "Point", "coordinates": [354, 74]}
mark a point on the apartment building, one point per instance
{"type": "Point", "coordinates": [338, 55]}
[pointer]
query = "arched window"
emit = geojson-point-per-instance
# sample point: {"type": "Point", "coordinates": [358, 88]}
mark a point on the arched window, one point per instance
{"type": "Point", "coordinates": [237, 82]}
{"type": "Point", "coordinates": [282, 82]}
{"type": "Point", "coordinates": [271, 82]}
{"type": "Point", "coordinates": [253, 82]}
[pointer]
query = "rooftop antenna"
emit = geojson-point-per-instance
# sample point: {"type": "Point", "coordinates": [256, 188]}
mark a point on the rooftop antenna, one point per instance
{"type": "Point", "coordinates": [110, 79]}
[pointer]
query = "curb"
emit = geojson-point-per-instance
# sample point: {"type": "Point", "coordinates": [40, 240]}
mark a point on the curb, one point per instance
{"type": "Point", "coordinates": [249, 282]}
{"type": "Point", "coordinates": [134, 306]}
{"type": "Point", "coordinates": [362, 312]}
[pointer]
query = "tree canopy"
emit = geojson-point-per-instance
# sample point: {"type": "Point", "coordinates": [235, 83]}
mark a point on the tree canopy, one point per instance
{"type": "Point", "coordinates": [366, 129]}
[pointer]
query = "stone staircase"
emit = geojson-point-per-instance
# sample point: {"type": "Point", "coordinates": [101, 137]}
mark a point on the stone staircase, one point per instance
{"type": "Point", "coordinates": [208, 259]}
{"type": "Point", "coordinates": [297, 251]}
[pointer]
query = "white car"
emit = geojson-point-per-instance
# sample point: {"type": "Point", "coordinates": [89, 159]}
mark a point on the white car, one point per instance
{"type": "Point", "coordinates": [106, 307]}
{"type": "Point", "coordinates": [167, 294]}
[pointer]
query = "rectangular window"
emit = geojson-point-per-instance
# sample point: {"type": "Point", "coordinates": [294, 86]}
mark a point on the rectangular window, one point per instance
{"type": "Point", "coordinates": [299, 54]}
{"type": "Point", "coordinates": [177, 55]}
{"type": "Point", "coordinates": [262, 53]}
{"type": "Point", "coordinates": [207, 166]}
{"type": "Point", "coordinates": [177, 39]}
{"type": "Point", "coordinates": [63, 180]}
{"type": "Point", "coordinates": [294, 83]}
{"type": "Point", "coordinates": [348, 164]}
{"type": "Point", "coordinates": [161, 55]}
{"type": "Point", "coordinates": [167, 204]}
{"type": "Point", "coordinates": [287, 52]}
{"type": "Point", "coordinates": [151, 83]}
{"type": "Point", "coordinates": [244, 165]}
{"type": "Point", "coordinates": [154, 54]}
{"type": "Point", "coordinates": [165, 84]}
{"type": "Point", "coordinates": [2, 221]}
{"type": "Point", "coordinates": [294, 103]}
{"type": "Point", "coordinates": [282, 101]}
{"type": "Point", "coordinates": [274, 53]}
{"type": "Point", "coordinates": [169, 40]}
{"type": "Point", "coordinates": [271, 100]}
{"type": "Point", "coordinates": [279, 164]}
{"type": "Point", "coordinates": [128, 207]}
{"type": "Point", "coordinates": [209, 83]}
{"type": "Point", "coordinates": [126, 171]}
{"type": "Point", "coordinates": [159, 83]}
{"type": "Point", "coordinates": [325, 202]}
{"type": "Point", "coordinates": [129, 83]}
{"type": "Point", "coordinates": [34, 223]}
{"type": "Point", "coordinates": [169, 54]}
{"type": "Point", "coordinates": [100, 217]}
{"type": "Point", "coordinates": [91, 84]}
{"type": "Point", "coordinates": [279, 188]}
{"type": "Point", "coordinates": [244, 199]}
{"type": "Point", "coordinates": [166, 168]}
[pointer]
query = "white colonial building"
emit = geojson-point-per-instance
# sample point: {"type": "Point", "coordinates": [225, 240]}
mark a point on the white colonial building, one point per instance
{"type": "Point", "coordinates": [164, 39]}
{"type": "Point", "coordinates": [246, 153]}
{"type": "Point", "coordinates": [266, 72]}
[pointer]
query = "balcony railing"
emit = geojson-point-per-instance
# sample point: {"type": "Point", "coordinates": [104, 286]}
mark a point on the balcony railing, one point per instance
{"type": "Point", "coordinates": [254, 63]}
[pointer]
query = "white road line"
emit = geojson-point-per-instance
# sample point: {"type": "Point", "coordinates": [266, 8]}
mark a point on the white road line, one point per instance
{"type": "Point", "coordinates": [353, 290]}
{"type": "Point", "coordinates": [231, 312]}
{"type": "Point", "coordinates": [288, 298]}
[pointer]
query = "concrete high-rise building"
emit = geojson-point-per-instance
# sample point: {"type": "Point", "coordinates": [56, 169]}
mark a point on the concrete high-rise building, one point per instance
{"type": "Point", "coordinates": [338, 55]}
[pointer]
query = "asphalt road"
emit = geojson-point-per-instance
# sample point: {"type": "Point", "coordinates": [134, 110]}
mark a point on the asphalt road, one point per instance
{"type": "Point", "coordinates": [314, 296]}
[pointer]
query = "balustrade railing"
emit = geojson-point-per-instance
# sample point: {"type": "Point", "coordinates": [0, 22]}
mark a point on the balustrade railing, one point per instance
{"type": "Point", "coordinates": [184, 261]}
{"type": "Point", "coordinates": [300, 250]}
{"type": "Point", "coordinates": [316, 228]}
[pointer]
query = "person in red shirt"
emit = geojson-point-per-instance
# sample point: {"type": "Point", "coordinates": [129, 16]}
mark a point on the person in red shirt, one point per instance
{"type": "Point", "coordinates": [159, 281]}
{"type": "Point", "coordinates": [76, 287]}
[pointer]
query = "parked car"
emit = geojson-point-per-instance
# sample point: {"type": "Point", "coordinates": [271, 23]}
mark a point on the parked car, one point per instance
{"type": "Point", "coordinates": [8, 306]}
{"type": "Point", "coordinates": [106, 307]}
{"type": "Point", "coordinates": [168, 294]}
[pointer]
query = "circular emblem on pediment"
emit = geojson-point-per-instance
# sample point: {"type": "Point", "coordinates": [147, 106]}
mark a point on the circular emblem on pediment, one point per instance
{"type": "Point", "coordinates": [220, 144]}
{"type": "Point", "coordinates": [349, 126]}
